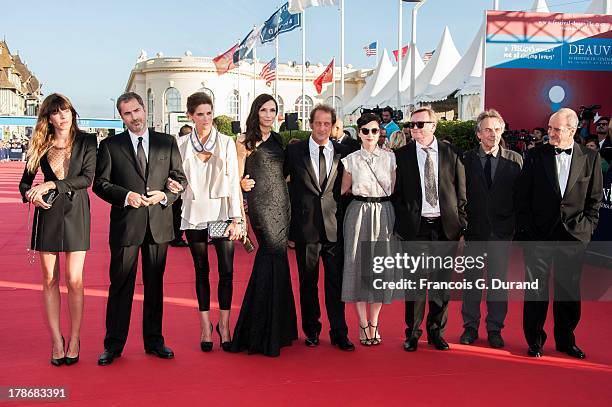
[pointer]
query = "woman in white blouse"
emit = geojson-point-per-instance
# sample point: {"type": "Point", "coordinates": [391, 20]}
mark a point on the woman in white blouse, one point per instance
{"type": "Point", "coordinates": [213, 194]}
{"type": "Point", "coordinates": [370, 176]}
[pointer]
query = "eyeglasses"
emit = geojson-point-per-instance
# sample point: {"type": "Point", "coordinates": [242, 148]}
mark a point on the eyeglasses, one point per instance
{"type": "Point", "coordinates": [365, 131]}
{"type": "Point", "coordinates": [420, 125]}
{"type": "Point", "coordinates": [602, 124]}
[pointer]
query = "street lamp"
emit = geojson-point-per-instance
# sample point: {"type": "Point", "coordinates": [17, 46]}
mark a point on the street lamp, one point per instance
{"type": "Point", "coordinates": [113, 100]}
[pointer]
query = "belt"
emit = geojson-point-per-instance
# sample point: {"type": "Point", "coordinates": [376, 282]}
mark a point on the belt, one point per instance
{"type": "Point", "coordinates": [430, 220]}
{"type": "Point", "coordinates": [372, 198]}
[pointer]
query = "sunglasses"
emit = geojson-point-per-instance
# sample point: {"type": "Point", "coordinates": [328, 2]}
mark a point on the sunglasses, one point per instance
{"type": "Point", "coordinates": [602, 124]}
{"type": "Point", "coordinates": [420, 125]}
{"type": "Point", "coordinates": [365, 131]}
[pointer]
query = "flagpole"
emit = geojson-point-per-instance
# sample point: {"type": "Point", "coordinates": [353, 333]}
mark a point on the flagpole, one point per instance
{"type": "Point", "coordinates": [377, 55]}
{"type": "Point", "coordinates": [239, 94]}
{"type": "Point", "coordinates": [399, 54]}
{"type": "Point", "coordinates": [341, 53]}
{"type": "Point", "coordinates": [276, 80]}
{"type": "Point", "coordinates": [303, 106]}
{"type": "Point", "coordinates": [254, 67]}
{"type": "Point", "coordinates": [333, 83]}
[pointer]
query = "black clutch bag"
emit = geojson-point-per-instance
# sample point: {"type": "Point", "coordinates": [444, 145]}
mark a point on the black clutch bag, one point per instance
{"type": "Point", "coordinates": [50, 197]}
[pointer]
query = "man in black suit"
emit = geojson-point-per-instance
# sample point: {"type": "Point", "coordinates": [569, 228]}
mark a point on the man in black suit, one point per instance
{"type": "Point", "coordinates": [315, 171]}
{"type": "Point", "coordinates": [429, 202]}
{"type": "Point", "coordinates": [340, 136]}
{"type": "Point", "coordinates": [491, 172]}
{"type": "Point", "coordinates": [132, 170]}
{"type": "Point", "coordinates": [558, 197]}
{"type": "Point", "coordinates": [602, 127]}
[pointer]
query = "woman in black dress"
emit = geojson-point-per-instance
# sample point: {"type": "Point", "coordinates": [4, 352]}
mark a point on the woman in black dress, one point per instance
{"type": "Point", "coordinates": [267, 318]}
{"type": "Point", "coordinates": [67, 159]}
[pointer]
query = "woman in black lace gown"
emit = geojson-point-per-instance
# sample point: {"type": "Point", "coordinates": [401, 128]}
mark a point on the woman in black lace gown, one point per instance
{"type": "Point", "coordinates": [267, 318]}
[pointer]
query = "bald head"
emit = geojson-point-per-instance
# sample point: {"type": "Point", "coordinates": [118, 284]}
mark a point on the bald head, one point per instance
{"type": "Point", "coordinates": [561, 127]}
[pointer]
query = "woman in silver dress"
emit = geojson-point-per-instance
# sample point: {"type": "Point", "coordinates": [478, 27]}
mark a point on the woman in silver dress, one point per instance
{"type": "Point", "coordinates": [370, 176]}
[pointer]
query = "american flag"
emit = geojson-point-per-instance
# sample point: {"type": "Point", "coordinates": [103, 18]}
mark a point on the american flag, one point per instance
{"type": "Point", "coordinates": [372, 49]}
{"type": "Point", "coordinates": [427, 56]}
{"type": "Point", "coordinates": [269, 72]}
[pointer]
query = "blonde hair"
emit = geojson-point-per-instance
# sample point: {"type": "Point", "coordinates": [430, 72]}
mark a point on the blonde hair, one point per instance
{"type": "Point", "coordinates": [430, 112]}
{"type": "Point", "coordinates": [42, 138]}
{"type": "Point", "coordinates": [398, 139]}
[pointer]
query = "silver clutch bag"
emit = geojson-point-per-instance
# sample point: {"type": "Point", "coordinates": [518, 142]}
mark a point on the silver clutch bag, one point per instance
{"type": "Point", "coordinates": [218, 229]}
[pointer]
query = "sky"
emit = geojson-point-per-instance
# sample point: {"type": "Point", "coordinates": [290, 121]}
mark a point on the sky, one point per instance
{"type": "Point", "coordinates": [87, 49]}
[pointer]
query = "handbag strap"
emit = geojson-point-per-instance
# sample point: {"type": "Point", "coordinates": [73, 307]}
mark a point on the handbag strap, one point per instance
{"type": "Point", "coordinates": [373, 173]}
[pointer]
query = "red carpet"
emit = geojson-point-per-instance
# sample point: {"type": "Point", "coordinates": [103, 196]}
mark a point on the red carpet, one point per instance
{"type": "Point", "coordinates": [381, 376]}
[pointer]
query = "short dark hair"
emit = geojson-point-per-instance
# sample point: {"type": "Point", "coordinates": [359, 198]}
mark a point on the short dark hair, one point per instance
{"type": "Point", "coordinates": [606, 118]}
{"type": "Point", "coordinates": [186, 127]}
{"type": "Point", "coordinates": [126, 97]}
{"type": "Point", "coordinates": [592, 139]}
{"type": "Point", "coordinates": [540, 129]}
{"type": "Point", "coordinates": [388, 109]}
{"type": "Point", "coordinates": [367, 118]}
{"type": "Point", "coordinates": [323, 108]}
{"type": "Point", "coordinates": [197, 99]}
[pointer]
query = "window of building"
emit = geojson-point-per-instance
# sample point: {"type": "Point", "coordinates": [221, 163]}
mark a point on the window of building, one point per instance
{"type": "Point", "coordinates": [338, 105]}
{"type": "Point", "coordinates": [307, 104]}
{"type": "Point", "coordinates": [281, 105]}
{"type": "Point", "coordinates": [173, 100]}
{"type": "Point", "coordinates": [233, 105]}
{"type": "Point", "coordinates": [150, 104]}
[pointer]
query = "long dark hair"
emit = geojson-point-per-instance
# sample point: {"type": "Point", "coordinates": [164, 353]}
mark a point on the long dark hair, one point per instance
{"type": "Point", "coordinates": [252, 135]}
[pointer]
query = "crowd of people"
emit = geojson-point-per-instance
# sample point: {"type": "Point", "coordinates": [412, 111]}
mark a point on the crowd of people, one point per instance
{"type": "Point", "coordinates": [328, 194]}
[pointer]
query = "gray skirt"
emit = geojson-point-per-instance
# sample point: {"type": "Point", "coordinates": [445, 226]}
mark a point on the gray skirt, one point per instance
{"type": "Point", "coordinates": [366, 225]}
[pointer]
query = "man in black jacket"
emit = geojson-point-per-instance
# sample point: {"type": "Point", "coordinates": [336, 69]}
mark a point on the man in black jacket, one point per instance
{"type": "Point", "coordinates": [429, 202]}
{"type": "Point", "coordinates": [558, 198]}
{"type": "Point", "coordinates": [491, 172]}
{"type": "Point", "coordinates": [132, 170]}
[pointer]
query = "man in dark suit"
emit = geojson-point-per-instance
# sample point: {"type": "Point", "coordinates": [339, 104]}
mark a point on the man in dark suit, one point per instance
{"type": "Point", "coordinates": [602, 128]}
{"type": "Point", "coordinates": [339, 135]}
{"type": "Point", "coordinates": [558, 197]}
{"type": "Point", "coordinates": [131, 175]}
{"type": "Point", "coordinates": [315, 172]}
{"type": "Point", "coordinates": [429, 202]}
{"type": "Point", "coordinates": [491, 172]}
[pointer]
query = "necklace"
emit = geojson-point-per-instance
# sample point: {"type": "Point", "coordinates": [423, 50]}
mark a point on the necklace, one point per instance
{"type": "Point", "coordinates": [200, 147]}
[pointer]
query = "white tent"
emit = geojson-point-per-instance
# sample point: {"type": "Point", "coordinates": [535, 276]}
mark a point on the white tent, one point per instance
{"type": "Point", "coordinates": [374, 84]}
{"type": "Point", "coordinates": [388, 95]}
{"type": "Point", "coordinates": [442, 63]}
{"type": "Point", "coordinates": [540, 6]}
{"type": "Point", "coordinates": [466, 75]}
{"type": "Point", "coordinates": [599, 7]}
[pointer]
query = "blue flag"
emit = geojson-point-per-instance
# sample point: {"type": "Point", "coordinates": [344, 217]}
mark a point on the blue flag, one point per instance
{"type": "Point", "coordinates": [245, 49]}
{"type": "Point", "coordinates": [281, 21]}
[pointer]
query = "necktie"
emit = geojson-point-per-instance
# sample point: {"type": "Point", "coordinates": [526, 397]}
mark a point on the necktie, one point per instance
{"type": "Point", "coordinates": [431, 191]}
{"type": "Point", "coordinates": [322, 167]}
{"type": "Point", "coordinates": [141, 157]}
{"type": "Point", "coordinates": [563, 150]}
{"type": "Point", "coordinates": [487, 171]}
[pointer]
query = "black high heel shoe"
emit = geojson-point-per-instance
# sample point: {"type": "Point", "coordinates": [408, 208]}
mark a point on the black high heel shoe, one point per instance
{"type": "Point", "coordinates": [365, 341]}
{"type": "Point", "coordinates": [59, 361]}
{"type": "Point", "coordinates": [72, 361]}
{"type": "Point", "coordinates": [376, 339]}
{"type": "Point", "coordinates": [226, 346]}
{"type": "Point", "coordinates": [207, 346]}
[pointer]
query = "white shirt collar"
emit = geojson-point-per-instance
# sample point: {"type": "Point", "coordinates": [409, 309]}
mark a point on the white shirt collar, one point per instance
{"type": "Point", "coordinates": [433, 145]}
{"type": "Point", "coordinates": [314, 146]}
{"type": "Point", "coordinates": [145, 135]}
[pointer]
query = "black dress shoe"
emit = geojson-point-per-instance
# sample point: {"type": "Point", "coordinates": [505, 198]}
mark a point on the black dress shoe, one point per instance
{"type": "Point", "coordinates": [573, 351]}
{"type": "Point", "coordinates": [438, 342]}
{"type": "Point", "coordinates": [107, 357]}
{"type": "Point", "coordinates": [73, 360]}
{"type": "Point", "coordinates": [207, 346]}
{"type": "Point", "coordinates": [312, 341]}
{"type": "Point", "coordinates": [343, 343]}
{"type": "Point", "coordinates": [411, 344]}
{"type": "Point", "coordinates": [535, 351]}
{"type": "Point", "coordinates": [468, 336]}
{"type": "Point", "coordinates": [495, 339]}
{"type": "Point", "coordinates": [227, 345]}
{"type": "Point", "coordinates": [161, 351]}
{"type": "Point", "coordinates": [59, 361]}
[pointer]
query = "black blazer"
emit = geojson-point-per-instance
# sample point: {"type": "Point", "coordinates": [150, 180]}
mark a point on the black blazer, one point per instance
{"type": "Point", "coordinates": [407, 198]}
{"type": "Point", "coordinates": [541, 209]}
{"type": "Point", "coordinates": [315, 214]}
{"type": "Point", "coordinates": [118, 173]}
{"type": "Point", "coordinates": [352, 144]}
{"type": "Point", "coordinates": [491, 211]}
{"type": "Point", "coordinates": [66, 225]}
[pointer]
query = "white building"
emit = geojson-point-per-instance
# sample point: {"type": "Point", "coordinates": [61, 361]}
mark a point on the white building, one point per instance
{"type": "Point", "coordinates": [165, 83]}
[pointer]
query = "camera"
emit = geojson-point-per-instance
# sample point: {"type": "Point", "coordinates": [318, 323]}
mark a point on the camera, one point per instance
{"type": "Point", "coordinates": [588, 112]}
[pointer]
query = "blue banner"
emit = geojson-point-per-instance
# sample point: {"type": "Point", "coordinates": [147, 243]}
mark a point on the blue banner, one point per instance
{"type": "Point", "coordinates": [280, 22]}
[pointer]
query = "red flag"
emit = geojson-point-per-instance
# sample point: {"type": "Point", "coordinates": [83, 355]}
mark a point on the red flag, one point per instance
{"type": "Point", "coordinates": [326, 77]}
{"type": "Point", "coordinates": [225, 61]}
{"type": "Point", "coordinates": [404, 52]}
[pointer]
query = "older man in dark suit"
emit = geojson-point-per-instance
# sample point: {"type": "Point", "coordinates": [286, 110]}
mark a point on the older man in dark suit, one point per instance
{"type": "Point", "coordinates": [558, 198]}
{"type": "Point", "coordinates": [491, 172]}
{"type": "Point", "coordinates": [132, 172]}
{"type": "Point", "coordinates": [429, 202]}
